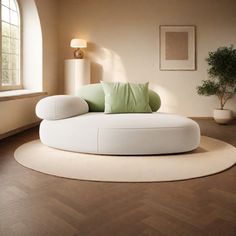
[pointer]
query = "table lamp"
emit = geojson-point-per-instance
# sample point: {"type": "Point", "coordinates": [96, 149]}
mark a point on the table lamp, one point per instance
{"type": "Point", "coordinates": [78, 44]}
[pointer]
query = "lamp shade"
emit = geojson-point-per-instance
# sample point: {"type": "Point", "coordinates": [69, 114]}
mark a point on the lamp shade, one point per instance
{"type": "Point", "coordinates": [78, 43]}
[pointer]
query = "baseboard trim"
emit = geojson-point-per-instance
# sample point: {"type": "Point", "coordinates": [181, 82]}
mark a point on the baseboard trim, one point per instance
{"type": "Point", "coordinates": [205, 118]}
{"type": "Point", "coordinates": [201, 117]}
{"type": "Point", "coordinates": [18, 130]}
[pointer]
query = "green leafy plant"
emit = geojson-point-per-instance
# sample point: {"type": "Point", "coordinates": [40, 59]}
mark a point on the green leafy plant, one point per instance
{"type": "Point", "coordinates": [222, 75]}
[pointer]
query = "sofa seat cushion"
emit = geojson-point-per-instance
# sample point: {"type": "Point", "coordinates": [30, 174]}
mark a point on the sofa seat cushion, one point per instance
{"type": "Point", "coordinates": [122, 134]}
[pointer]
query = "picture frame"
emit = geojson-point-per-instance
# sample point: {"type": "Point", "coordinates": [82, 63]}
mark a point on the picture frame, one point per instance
{"type": "Point", "coordinates": [177, 47]}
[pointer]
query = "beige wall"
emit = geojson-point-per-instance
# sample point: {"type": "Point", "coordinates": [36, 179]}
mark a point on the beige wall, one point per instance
{"type": "Point", "coordinates": [31, 36]}
{"type": "Point", "coordinates": [19, 113]}
{"type": "Point", "coordinates": [48, 14]}
{"type": "Point", "coordinates": [123, 43]}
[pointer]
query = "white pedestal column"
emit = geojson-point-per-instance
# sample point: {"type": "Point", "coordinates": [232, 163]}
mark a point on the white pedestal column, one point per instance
{"type": "Point", "coordinates": [77, 73]}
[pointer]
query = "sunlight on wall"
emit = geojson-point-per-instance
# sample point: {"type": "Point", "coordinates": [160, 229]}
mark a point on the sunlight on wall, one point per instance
{"type": "Point", "coordinates": [112, 67]}
{"type": "Point", "coordinates": [168, 100]}
{"type": "Point", "coordinates": [32, 46]}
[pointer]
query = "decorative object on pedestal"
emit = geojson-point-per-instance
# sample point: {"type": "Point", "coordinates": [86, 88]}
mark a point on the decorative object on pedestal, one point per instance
{"type": "Point", "coordinates": [78, 44]}
{"type": "Point", "coordinates": [222, 82]}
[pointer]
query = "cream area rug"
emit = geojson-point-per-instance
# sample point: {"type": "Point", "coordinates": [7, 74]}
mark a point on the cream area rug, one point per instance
{"type": "Point", "coordinates": [211, 157]}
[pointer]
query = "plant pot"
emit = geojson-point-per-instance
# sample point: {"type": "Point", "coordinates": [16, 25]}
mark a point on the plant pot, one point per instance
{"type": "Point", "coordinates": [222, 116]}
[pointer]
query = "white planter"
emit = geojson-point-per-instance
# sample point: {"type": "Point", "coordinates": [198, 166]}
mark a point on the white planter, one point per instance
{"type": "Point", "coordinates": [222, 116]}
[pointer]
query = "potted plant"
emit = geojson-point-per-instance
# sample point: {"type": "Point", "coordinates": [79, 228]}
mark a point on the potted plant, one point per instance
{"type": "Point", "coordinates": [222, 81]}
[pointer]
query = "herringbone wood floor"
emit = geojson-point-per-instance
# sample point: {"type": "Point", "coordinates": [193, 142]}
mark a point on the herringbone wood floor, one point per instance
{"type": "Point", "coordinates": [35, 204]}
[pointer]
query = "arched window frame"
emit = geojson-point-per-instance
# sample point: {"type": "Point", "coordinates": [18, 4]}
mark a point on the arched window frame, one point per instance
{"type": "Point", "coordinates": [17, 68]}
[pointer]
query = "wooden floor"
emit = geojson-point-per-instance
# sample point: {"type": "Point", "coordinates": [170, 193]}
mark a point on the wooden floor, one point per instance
{"type": "Point", "coordinates": [35, 204]}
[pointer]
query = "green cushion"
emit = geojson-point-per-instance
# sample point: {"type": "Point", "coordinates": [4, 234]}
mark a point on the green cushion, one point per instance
{"type": "Point", "coordinates": [154, 100]}
{"type": "Point", "coordinates": [94, 95]}
{"type": "Point", "coordinates": [126, 98]}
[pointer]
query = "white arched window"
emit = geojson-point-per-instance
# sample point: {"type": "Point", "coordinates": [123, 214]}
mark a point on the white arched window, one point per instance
{"type": "Point", "coordinates": [10, 45]}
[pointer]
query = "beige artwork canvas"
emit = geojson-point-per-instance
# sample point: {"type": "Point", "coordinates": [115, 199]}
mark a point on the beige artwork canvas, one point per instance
{"type": "Point", "coordinates": [177, 47]}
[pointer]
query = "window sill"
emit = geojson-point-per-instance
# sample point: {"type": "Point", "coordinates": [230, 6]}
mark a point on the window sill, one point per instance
{"type": "Point", "coordinates": [19, 94]}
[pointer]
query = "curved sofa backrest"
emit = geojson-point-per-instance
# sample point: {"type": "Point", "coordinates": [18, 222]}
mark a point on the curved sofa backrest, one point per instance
{"type": "Point", "coordinates": [93, 94]}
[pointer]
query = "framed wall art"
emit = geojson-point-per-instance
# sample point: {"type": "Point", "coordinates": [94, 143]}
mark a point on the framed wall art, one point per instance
{"type": "Point", "coordinates": [177, 47]}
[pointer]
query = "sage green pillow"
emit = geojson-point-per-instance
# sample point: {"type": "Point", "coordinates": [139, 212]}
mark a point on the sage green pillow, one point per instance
{"type": "Point", "coordinates": [126, 98]}
{"type": "Point", "coordinates": [93, 94]}
{"type": "Point", "coordinates": [154, 100]}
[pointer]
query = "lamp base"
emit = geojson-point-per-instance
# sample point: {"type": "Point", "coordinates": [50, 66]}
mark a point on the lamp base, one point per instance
{"type": "Point", "coordinates": [78, 54]}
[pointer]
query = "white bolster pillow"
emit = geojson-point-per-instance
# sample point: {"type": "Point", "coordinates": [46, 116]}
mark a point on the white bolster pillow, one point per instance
{"type": "Point", "coordinates": [61, 107]}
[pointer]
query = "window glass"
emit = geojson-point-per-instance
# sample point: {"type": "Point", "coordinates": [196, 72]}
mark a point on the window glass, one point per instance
{"type": "Point", "coordinates": [10, 45]}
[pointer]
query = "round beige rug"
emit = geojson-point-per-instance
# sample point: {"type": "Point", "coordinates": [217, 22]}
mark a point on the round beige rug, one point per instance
{"type": "Point", "coordinates": [211, 157]}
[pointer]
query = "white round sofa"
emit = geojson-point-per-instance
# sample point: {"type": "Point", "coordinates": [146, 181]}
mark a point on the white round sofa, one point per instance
{"type": "Point", "coordinates": [68, 125]}
{"type": "Point", "coordinates": [122, 134]}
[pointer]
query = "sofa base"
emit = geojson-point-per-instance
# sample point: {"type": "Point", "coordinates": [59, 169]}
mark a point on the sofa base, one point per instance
{"type": "Point", "coordinates": [122, 134]}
